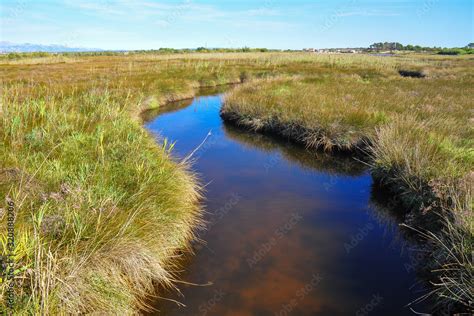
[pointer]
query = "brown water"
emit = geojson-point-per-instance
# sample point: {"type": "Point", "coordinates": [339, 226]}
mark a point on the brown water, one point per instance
{"type": "Point", "coordinates": [289, 232]}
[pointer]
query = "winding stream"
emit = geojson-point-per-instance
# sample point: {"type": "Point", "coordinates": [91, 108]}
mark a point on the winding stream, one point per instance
{"type": "Point", "coordinates": [289, 232]}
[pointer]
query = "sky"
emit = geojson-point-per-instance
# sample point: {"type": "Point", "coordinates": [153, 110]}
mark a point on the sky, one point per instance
{"type": "Point", "coordinates": [149, 24]}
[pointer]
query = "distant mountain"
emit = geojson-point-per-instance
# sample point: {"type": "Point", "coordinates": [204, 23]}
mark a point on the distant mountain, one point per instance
{"type": "Point", "coordinates": [8, 47]}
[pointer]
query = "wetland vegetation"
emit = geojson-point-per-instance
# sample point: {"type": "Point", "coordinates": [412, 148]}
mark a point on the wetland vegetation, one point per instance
{"type": "Point", "coordinates": [103, 211]}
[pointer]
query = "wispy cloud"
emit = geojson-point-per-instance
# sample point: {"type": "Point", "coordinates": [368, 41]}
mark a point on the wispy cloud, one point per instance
{"type": "Point", "coordinates": [263, 25]}
{"type": "Point", "coordinates": [101, 7]}
{"type": "Point", "coordinates": [166, 15]}
{"type": "Point", "coordinates": [262, 12]}
{"type": "Point", "coordinates": [148, 8]}
{"type": "Point", "coordinates": [367, 13]}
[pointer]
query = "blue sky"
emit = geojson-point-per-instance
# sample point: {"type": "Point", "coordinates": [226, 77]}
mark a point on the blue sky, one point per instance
{"type": "Point", "coordinates": [148, 24]}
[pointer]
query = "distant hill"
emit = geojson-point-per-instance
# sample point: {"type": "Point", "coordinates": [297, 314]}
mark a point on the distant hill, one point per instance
{"type": "Point", "coordinates": [8, 47]}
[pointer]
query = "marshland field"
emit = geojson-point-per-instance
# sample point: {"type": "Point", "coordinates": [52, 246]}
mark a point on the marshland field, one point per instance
{"type": "Point", "coordinates": [104, 211]}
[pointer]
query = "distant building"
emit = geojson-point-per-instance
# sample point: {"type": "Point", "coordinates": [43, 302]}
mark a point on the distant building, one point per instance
{"type": "Point", "coordinates": [333, 50]}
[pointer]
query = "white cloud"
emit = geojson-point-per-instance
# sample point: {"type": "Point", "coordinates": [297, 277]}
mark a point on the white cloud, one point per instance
{"type": "Point", "coordinates": [186, 9]}
{"type": "Point", "coordinates": [262, 12]}
{"type": "Point", "coordinates": [101, 7]}
{"type": "Point", "coordinates": [366, 13]}
{"type": "Point", "coordinates": [262, 25]}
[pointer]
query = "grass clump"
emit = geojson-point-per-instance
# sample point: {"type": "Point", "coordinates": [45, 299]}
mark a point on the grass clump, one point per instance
{"type": "Point", "coordinates": [412, 73]}
{"type": "Point", "coordinates": [416, 133]}
{"type": "Point", "coordinates": [304, 110]}
{"type": "Point", "coordinates": [100, 208]}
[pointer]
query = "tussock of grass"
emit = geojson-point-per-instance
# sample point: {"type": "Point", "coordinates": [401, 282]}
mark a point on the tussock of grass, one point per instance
{"type": "Point", "coordinates": [290, 106]}
{"type": "Point", "coordinates": [412, 73]}
{"type": "Point", "coordinates": [417, 134]}
{"type": "Point", "coordinates": [102, 210]}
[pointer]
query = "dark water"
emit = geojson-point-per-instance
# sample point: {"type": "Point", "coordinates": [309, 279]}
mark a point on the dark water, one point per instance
{"type": "Point", "coordinates": [290, 232]}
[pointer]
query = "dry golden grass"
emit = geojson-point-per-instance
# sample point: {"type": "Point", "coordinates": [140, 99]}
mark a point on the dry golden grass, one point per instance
{"type": "Point", "coordinates": [102, 210]}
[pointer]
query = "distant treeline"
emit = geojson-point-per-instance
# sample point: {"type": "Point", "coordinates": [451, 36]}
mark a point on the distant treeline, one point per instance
{"type": "Point", "coordinates": [386, 46]}
{"type": "Point", "coordinates": [391, 46]}
{"type": "Point", "coordinates": [164, 51]}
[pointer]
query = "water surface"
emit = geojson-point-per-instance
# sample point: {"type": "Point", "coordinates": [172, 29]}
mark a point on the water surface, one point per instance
{"type": "Point", "coordinates": [289, 232]}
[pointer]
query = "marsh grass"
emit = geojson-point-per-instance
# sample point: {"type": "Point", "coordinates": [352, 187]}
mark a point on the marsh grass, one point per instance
{"type": "Point", "coordinates": [103, 210]}
{"type": "Point", "coordinates": [416, 132]}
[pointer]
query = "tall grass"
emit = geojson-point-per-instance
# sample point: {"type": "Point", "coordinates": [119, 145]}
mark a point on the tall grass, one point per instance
{"type": "Point", "coordinates": [102, 210]}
